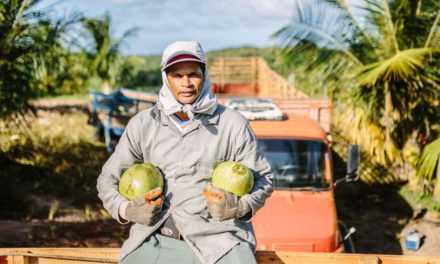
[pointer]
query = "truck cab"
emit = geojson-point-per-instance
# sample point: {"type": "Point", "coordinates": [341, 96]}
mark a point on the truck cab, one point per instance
{"type": "Point", "coordinates": [301, 213]}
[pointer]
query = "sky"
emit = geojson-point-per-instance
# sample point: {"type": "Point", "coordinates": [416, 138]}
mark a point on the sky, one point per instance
{"type": "Point", "coordinates": [216, 24]}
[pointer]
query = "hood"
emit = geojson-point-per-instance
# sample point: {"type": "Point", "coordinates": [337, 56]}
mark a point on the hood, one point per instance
{"type": "Point", "coordinates": [206, 103]}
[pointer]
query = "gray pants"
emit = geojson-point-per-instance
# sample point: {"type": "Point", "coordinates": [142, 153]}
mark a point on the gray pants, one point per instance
{"type": "Point", "coordinates": [160, 249]}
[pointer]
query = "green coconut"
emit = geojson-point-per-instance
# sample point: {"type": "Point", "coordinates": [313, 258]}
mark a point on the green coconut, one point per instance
{"type": "Point", "coordinates": [139, 179]}
{"type": "Point", "coordinates": [233, 177]}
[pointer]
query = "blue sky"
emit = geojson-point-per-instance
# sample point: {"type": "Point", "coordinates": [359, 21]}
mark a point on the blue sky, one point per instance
{"type": "Point", "coordinates": [216, 24]}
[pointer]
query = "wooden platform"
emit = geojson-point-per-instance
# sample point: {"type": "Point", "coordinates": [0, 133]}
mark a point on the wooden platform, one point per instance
{"type": "Point", "coordinates": [110, 255]}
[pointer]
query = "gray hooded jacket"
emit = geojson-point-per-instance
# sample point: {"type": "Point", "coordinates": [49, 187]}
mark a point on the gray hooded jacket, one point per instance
{"type": "Point", "coordinates": [186, 160]}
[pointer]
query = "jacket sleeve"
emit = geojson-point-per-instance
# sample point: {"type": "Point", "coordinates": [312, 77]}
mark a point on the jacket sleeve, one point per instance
{"type": "Point", "coordinates": [250, 154]}
{"type": "Point", "coordinates": [127, 152]}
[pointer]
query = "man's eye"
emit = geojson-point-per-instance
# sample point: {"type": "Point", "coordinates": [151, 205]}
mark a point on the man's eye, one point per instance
{"type": "Point", "coordinates": [195, 75]}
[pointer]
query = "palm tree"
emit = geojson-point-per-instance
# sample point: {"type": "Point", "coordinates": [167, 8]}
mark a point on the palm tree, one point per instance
{"type": "Point", "coordinates": [379, 61]}
{"type": "Point", "coordinates": [104, 51]}
{"type": "Point", "coordinates": [61, 70]}
{"type": "Point", "coordinates": [17, 36]}
{"type": "Point", "coordinates": [27, 36]}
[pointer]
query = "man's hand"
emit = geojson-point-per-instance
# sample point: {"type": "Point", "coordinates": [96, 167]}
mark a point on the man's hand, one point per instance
{"type": "Point", "coordinates": [223, 205]}
{"type": "Point", "coordinates": [145, 210]}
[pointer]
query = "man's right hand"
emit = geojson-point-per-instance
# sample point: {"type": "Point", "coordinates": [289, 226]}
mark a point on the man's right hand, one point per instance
{"type": "Point", "coordinates": [145, 210]}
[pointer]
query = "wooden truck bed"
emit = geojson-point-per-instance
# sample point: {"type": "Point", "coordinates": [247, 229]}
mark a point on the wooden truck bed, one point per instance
{"type": "Point", "coordinates": [110, 255]}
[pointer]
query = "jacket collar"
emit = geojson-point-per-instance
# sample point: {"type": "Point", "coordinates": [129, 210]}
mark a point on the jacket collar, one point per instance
{"type": "Point", "coordinates": [161, 117]}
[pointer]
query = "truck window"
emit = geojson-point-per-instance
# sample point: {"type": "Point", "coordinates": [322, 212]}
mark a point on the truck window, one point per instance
{"type": "Point", "coordinates": [296, 163]}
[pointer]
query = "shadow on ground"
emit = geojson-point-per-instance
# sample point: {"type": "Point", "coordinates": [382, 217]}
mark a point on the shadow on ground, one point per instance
{"type": "Point", "coordinates": [377, 211]}
{"type": "Point", "coordinates": [44, 233]}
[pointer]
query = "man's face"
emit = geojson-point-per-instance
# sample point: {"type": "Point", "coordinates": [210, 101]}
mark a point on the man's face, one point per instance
{"type": "Point", "coordinates": [186, 81]}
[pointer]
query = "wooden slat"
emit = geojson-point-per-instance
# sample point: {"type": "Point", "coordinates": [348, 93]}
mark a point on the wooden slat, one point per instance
{"type": "Point", "coordinates": [274, 85]}
{"type": "Point", "coordinates": [65, 255]}
{"type": "Point", "coordinates": [111, 255]}
{"type": "Point", "coordinates": [333, 258]}
{"type": "Point", "coordinates": [218, 69]}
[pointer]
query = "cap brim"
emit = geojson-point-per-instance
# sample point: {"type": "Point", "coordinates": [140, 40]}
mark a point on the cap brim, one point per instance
{"type": "Point", "coordinates": [181, 56]}
{"type": "Point", "coordinates": [182, 60]}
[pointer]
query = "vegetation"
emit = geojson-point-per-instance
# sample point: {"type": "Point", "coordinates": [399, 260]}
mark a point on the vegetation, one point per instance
{"type": "Point", "coordinates": [43, 160]}
{"type": "Point", "coordinates": [142, 73]}
{"type": "Point", "coordinates": [380, 65]}
{"type": "Point", "coordinates": [429, 166]}
{"type": "Point", "coordinates": [48, 180]}
{"type": "Point", "coordinates": [103, 52]}
{"type": "Point", "coordinates": [26, 36]}
{"type": "Point", "coordinates": [37, 57]}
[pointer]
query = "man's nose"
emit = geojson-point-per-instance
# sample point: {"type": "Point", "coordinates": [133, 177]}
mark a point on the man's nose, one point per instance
{"type": "Point", "coordinates": [186, 81]}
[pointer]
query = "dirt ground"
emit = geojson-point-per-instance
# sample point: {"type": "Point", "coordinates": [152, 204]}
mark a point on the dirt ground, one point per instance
{"type": "Point", "coordinates": [382, 219]}
{"type": "Point", "coordinates": [380, 215]}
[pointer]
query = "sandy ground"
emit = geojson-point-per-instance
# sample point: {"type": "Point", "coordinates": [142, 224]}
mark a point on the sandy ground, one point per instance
{"type": "Point", "coordinates": [429, 227]}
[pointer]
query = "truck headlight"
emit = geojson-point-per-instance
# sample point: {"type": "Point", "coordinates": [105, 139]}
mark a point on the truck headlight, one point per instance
{"type": "Point", "coordinates": [263, 247]}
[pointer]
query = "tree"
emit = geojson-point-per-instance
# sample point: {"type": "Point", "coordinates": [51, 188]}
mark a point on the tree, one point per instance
{"type": "Point", "coordinates": [104, 50]}
{"type": "Point", "coordinates": [27, 36]}
{"type": "Point", "coordinates": [379, 63]}
{"type": "Point", "coordinates": [62, 71]}
{"type": "Point", "coordinates": [18, 34]}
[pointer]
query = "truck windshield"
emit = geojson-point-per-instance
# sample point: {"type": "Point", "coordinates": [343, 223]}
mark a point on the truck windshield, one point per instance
{"type": "Point", "coordinates": [296, 163]}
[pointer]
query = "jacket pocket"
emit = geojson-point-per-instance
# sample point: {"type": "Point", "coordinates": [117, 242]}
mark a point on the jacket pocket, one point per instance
{"type": "Point", "coordinates": [204, 169]}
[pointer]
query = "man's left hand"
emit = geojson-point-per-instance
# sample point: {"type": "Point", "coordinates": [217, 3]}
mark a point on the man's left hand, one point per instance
{"type": "Point", "coordinates": [224, 205]}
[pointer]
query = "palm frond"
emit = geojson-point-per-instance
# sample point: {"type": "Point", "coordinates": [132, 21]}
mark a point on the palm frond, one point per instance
{"type": "Point", "coordinates": [379, 22]}
{"type": "Point", "coordinates": [390, 25]}
{"type": "Point", "coordinates": [402, 66]}
{"type": "Point", "coordinates": [433, 39]}
{"type": "Point", "coordinates": [368, 135]}
{"type": "Point", "coordinates": [104, 50]}
{"type": "Point", "coordinates": [322, 23]}
{"type": "Point", "coordinates": [430, 160]}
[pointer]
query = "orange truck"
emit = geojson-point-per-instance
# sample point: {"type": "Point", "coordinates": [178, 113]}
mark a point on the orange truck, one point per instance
{"type": "Point", "coordinates": [300, 216]}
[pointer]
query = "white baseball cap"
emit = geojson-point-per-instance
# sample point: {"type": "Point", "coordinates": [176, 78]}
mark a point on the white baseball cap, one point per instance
{"type": "Point", "coordinates": [182, 51]}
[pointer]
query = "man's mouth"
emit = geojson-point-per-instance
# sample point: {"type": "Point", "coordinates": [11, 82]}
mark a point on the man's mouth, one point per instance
{"type": "Point", "coordinates": [187, 94]}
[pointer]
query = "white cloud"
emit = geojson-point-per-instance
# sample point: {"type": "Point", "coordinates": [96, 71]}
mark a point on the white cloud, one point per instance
{"type": "Point", "coordinates": [277, 9]}
{"type": "Point", "coordinates": [216, 24]}
{"type": "Point", "coordinates": [119, 2]}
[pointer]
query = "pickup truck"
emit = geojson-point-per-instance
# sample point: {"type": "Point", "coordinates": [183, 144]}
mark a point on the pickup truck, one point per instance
{"type": "Point", "coordinates": [300, 216]}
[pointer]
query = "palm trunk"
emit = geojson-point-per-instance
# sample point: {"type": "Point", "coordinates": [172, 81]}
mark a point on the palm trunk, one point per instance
{"type": "Point", "coordinates": [411, 155]}
{"type": "Point", "coordinates": [388, 114]}
{"type": "Point", "coordinates": [106, 87]}
{"type": "Point", "coordinates": [436, 194]}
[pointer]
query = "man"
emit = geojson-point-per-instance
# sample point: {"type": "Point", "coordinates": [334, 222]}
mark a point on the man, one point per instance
{"type": "Point", "coordinates": [185, 136]}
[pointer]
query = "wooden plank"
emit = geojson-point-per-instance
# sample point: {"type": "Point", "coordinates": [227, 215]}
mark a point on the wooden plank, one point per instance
{"type": "Point", "coordinates": [236, 63]}
{"type": "Point", "coordinates": [111, 255]}
{"type": "Point", "coordinates": [231, 68]}
{"type": "Point", "coordinates": [333, 258]}
{"type": "Point", "coordinates": [65, 255]}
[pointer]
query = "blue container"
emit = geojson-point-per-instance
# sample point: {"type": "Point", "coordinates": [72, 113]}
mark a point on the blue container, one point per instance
{"type": "Point", "coordinates": [412, 240]}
